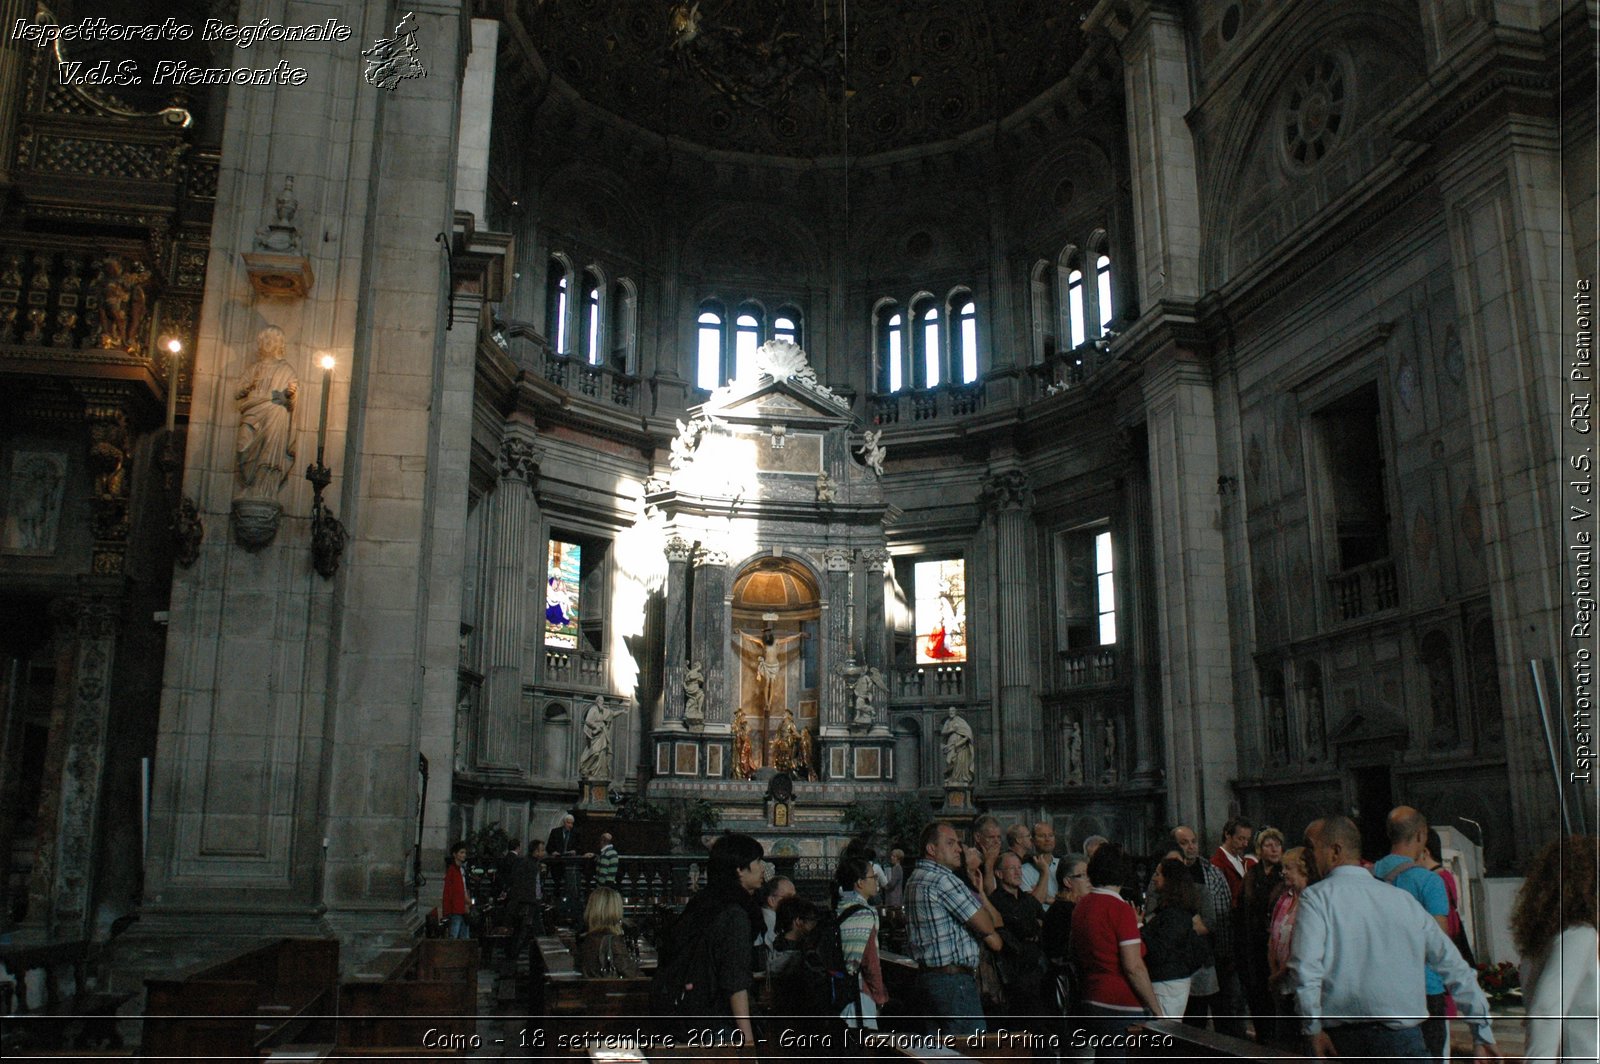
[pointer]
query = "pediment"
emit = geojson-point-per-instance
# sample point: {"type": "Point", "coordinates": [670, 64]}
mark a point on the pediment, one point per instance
{"type": "Point", "coordinates": [779, 402]}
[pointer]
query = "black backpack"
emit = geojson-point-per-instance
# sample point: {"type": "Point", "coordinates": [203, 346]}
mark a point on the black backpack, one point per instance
{"type": "Point", "coordinates": [817, 983]}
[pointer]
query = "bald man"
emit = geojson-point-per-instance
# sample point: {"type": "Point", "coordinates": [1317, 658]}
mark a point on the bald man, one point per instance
{"type": "Point", "coordinates": [1353, 963]}
{"type": "Point", "coordinates": [1408, 837]}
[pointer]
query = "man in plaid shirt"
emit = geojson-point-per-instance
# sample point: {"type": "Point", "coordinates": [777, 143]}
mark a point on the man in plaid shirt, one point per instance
{"type": "Point", "coordinates": [946, 921]}
{"type": "Point", "coordinates": [1209, 992]}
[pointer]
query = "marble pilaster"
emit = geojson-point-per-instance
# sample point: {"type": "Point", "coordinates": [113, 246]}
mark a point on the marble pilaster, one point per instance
{"type": "Point", "coordinates": [1008, 496]}
{"type": "Point", "coordinates": [513, 524]}
{"type": "Point", "coordinates": [676, 639]}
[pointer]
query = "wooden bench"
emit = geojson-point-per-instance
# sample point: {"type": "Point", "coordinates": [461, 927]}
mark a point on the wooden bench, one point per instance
{"type": "Point", "coordinates": [408, 992]}
{"type": "Point", "coordinates": [274, 993]}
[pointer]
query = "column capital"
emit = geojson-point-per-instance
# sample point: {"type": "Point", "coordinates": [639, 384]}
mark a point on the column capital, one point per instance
{"type": "Point", "coordinates": [1009, 490]}
{"type": "Point", "coordinates": [837, 559]}
{"type": "Point", "coordinates": [518, 460]}
{"type": "Point", "coordinates": [704, 556]}
{"type": "Point", "coordinates": [874, 558]}
{"type": "Point", "coordinates": [679, 549]}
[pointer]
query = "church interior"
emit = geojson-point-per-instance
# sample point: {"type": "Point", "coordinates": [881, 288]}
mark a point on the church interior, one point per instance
{"type": "Point", "coordinates": [1117, 412]}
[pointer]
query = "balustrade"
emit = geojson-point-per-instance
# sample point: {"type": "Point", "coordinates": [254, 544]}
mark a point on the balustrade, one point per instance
{"type": "Point", "coordinates": [1365, 589]}
{"type": "Point", "coordinates": [1093, 665]}
{"type": "Point", "coordinates": [579, 668]}
{"type": "Point", "coordinates": [930, 683]}
{"type": "Point", "coordinates": [603, 384]}
{"type": "Point", "coordinates": [927, 404]}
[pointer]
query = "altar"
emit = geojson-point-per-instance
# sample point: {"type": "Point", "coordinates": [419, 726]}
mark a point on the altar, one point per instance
{"type": "Point", "coordinates": [775, 596]}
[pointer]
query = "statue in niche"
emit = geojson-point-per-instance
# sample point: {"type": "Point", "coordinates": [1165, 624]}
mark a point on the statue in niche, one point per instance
{"type": "Point", "coordinates": [38, 485]}
{"type": "Point", "coordinates": [744, 765]}
{"type": "Point", "coordinates": [1314, 722]}
{"type": "Point", "coordinates": [872, 450]}
{"type": "Point", "coordinates": [958, 752]}
{"type": "Point", "coordinates": [1075, 754]}
{"type": "Point", "coordinates": [694, 694]}
{"type": "Point", "coordinates": [264, 447]}
{"type": "Point", "coordinates": [826, 490]}
{"type": "Point", "coordinates": [1277, 726]}
{"type": "Point", "coordinates": [595, 761]}
{"type": "Point", "coordinates": [1108, 739]}
{"type": "Point", "coordinates": [122, 302]}
{"type": "Point", "coordinates": [862, 689]}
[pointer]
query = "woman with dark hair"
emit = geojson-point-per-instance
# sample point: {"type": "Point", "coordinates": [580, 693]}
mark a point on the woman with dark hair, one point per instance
{"type": "Point", "coordinates": [1262, 883]}
{"type": "Point", "coordinates": [1553, 927]}
{"type": "Point", "coordinates": [704, 977]}
{"type": "Point", "coordinates": [1109, 953]}
{"type": "Point", "coordinates": [1172, 935]}
{"type": "Point", "coordinates": [856, 883]}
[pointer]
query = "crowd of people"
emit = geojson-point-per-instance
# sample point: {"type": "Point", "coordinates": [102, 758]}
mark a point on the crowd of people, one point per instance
{"type": "Point", "coordinates": [1307, 948]}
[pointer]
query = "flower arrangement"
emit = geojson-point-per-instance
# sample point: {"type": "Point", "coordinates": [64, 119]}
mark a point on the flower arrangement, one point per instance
{"type": "Point", "coordinates": [1499, 980]}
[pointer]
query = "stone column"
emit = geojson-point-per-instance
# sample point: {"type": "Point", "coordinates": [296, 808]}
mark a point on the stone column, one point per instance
{"type": "Point", "coordinates": [710, 638]}
{"type": "Point", "coordinates": [477, 114]}
{"type": "Point", "coordinates": [1191, 587]}
{"type": "Point", "coordinates": [1511, 239]}
{"type": "Point", "coordinates": [840, 650]}
{"type": "Point", "coordinates": [870, 634]}
{"type": "Point", "coordinates": [1008, 496]}
{"type": "Point", "coordinates": [63, 873]}
{"type": "Point", "coordinates": [1154, 47]}
{"type": "Point", "coordinates": [1140, 639]}
{"type": "Point", "coordinates": [513, 524]}
{"type": "Point", "coordinates": [677, 636]}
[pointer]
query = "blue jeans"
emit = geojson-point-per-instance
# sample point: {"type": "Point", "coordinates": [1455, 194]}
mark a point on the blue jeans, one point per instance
{"type": "Point", "coordinates": [1375, 1041]}
{"type": "Point", "coordinates": [953, 1003]}
{"type": "Point", "coordinates": [1107, 1027]}
{"type": "Point", "coordinates": [458, 927]}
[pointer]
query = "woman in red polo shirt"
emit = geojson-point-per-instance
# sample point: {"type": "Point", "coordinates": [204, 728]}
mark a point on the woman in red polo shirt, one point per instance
{"type": "Point", "coordinates": [1105, 943]}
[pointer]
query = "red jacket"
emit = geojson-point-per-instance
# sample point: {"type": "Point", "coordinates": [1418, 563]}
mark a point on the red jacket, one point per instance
{"type": "Point", "coordinates": [456, 902]}
{"type": "Point", "coordinates": [1220, 862]}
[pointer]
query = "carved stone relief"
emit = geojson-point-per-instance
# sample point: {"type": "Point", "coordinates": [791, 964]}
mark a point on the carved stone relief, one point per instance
{"type": "Point", "coordinates": [34, 493]}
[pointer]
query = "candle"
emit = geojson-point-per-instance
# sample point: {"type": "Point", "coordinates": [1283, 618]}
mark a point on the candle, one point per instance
{"type": "Point", "coordinates": [174, 347]}
{"type": "Point", "coordinates": [322, 421]}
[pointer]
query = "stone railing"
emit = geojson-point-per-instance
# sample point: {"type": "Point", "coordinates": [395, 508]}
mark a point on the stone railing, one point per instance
{"type": "Point", "coordinates": [927, 404]}
{"type": "Point", "coordinates": [930, 683]}
{"type": "Point", "coordinates": [1363, 590]}
{"type": "Point", "coordinates": [1093, 665]}
{"type": "Point", "coordinates": [1066, 370]}
{"type": "Point", "coordinates": [578, 668]}
{"type": "Point", "coordinates": [599, 383]}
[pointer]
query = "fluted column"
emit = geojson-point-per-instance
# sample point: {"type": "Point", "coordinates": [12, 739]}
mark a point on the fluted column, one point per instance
{"type": "Point", "coordinates": [874, 563]}
{"type": "Point", "coordinates": [710, 637]}
{"type": "Point", "coordinates": [513, 521]}
{"type": "Point", "coordinates": [838, 563]}
{"type": "Point", "coordinates": [676, 638]}
{"type": "Point", "coordinates": [1009, 498]}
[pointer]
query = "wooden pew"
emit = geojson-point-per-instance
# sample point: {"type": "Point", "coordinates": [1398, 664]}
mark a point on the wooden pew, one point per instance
{"type": "Point", "coordinates": [430, 989]}
{"type": "Point", "coordinates": [250, 1002]}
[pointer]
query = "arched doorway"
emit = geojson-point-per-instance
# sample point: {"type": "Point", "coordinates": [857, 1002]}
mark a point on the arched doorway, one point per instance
{"type": "Point", "coordinates": [776, 607]}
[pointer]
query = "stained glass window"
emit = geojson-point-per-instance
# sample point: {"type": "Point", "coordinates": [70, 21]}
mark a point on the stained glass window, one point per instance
{"type": "Point", "coordinates": [561, 595]}
{"type": "Point", "coordinates": [941, 611]}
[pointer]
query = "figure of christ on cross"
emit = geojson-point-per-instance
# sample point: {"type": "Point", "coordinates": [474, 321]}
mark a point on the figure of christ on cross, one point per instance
{"type": "Point", "coordinates": [769, 651]}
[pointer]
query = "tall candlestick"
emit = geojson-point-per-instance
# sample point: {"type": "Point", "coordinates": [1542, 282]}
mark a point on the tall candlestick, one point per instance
{"type": "Point", "coordinates": [174, 348]}
{"type": "Point", "coordinates": [322, 421]}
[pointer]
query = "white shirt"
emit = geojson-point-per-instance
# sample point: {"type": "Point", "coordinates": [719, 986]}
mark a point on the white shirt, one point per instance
{"type": "Point", "coordinates": [1030, 879]}
{"type": "Point", "coordinates": [1563, 990]}
{"type": "Point", "coordinates": [1358, 951]}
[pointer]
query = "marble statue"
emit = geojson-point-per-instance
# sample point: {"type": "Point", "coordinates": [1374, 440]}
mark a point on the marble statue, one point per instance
{"type": "Point", "coordinates": [595, 761]}
{"type": "Point", "coordinates": [264, 447]}
{"type": "Point", "coordinates": [958, 753]}
{"type": "Point", "coordinates": [1075, 754]}
{"type": "Point", "coordinates": [1108, 738]}
{"type": "Point", "coordinates": [872, 450]}
{"type": "Point", "coordinates": [694, 694]}
{"type": "Point", "coordinates": [870, 680]}
{"type": "Point", "coordinates": [826, 491]}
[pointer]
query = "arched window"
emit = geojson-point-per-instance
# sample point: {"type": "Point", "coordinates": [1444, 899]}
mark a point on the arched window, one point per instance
{"type": "Point", "coordinates": [557, 288]}
{"type": "Point", "coordinates": [965, 316]}
{"type": "Point", "coordinates": [624, 326]}
{"type": "Point", "coordinates": [888, 347]}
{"type": "Point", "coordinates": [591, 317]}
{"type": "Point", "coordinates": [925, 348]}
{"type": "Point", "coordinates": [746, 338]}
{"type": "Point", "coordinates": [786, 325]}
{"type": "Point", "coordinates": [1044, 312]}
{"type": "Point", "coordinates": [1102, 278]}
{"type": "Point", "coordinates": [1075, 317]}
{"type": "Point", "coordinates": [708, 347]}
